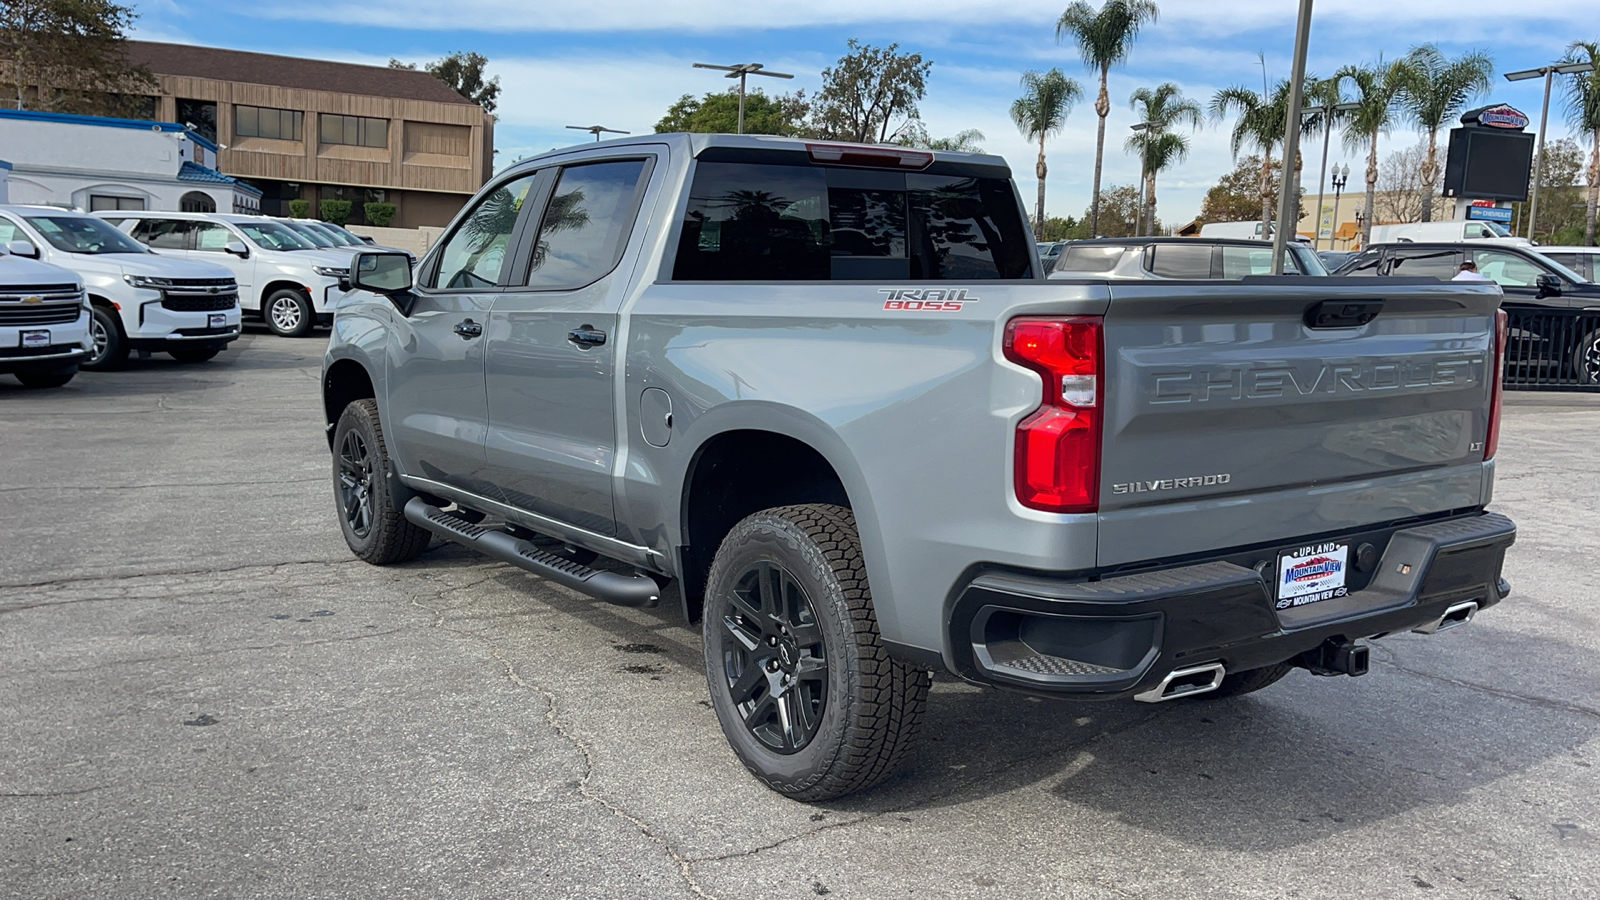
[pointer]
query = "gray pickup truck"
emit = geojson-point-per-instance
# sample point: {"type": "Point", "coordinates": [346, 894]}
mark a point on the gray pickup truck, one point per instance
{"type": "Point", "coordinates": [823, 397]}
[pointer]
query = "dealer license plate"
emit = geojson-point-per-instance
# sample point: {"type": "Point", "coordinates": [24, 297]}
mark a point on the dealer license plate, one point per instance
{"type": "Point", "coordinates": [36, 338]}
{"type": "Point", "coordinates": [218, 321]}
{"type": "Point", "coordinates": [1312, 573]}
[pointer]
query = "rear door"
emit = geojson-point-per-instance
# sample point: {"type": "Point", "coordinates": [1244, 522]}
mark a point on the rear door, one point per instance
{"type": "Point", "coordinates": [552, 339]}
{"type": "Point", "coordinates": [1230, 421]}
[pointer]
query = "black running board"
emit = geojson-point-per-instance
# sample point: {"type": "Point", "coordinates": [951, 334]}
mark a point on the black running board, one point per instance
{"type": "Point", "coordinates": [612, 587]}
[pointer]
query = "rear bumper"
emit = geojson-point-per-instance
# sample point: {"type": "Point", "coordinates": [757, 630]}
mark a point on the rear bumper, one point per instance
{"type": "Point", "coordinates": [1120, 636]}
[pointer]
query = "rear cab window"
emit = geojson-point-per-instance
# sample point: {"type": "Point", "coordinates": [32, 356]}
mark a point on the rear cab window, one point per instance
{"type": "Point", "coordinates": [760, 221]}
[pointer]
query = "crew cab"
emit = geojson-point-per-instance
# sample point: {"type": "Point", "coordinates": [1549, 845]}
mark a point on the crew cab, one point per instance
{"type": "Point", "coordinates": [823, 397]}
{"type": "Point", "coordinates": [44, 319]}
{"type": "Point", "coordinates": [287, 281]}
{"type": "Point", "coordinates": [140, 301]}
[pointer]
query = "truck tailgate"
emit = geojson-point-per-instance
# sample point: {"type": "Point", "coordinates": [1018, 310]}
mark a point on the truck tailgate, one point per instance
{"type": "Point", "coordinates": [1233, 418]}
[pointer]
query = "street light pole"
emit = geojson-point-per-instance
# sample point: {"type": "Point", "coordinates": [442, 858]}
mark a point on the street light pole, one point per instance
{"type": "Point", "coordinates": [1548, 73]}
{"type": "Point", "coordinates": [1289, 194]}
{"type": "Point", "coordinates": [1341, 177]}
{"type": "Point", "coordinates": [740, 72]}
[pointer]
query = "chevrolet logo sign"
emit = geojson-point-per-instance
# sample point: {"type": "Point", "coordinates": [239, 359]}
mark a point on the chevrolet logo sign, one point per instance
{"type": "Point", "coordinates": [212, 290]}
{"type": "Point", "coordinates": [32, 299]}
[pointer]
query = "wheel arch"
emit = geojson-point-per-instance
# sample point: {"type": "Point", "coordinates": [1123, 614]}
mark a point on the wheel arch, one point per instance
{"type": "Point", "coordinates": [344, 382]}
{"type": "Point", "coordinates": [281, 284]}
{"type": "Point", "coordinates": [112, 306]}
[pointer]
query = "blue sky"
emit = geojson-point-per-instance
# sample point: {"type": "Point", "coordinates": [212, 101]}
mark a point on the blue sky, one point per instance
{"type": "Point", "coordinates": [620, 63]}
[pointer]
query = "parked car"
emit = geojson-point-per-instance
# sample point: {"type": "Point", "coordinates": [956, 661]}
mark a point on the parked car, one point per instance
{"type": "Point", "coordinates": [283, 278]}
{"type": "Point", "coordinates": [1049, 251]}
{"type": "Point", "coordinates": [1585, 261]}
{"type": "Point", "coordinates": [141, 302]}
{"type": "Point", "coordinates": [1333, 259]}
{"type": "Point", "coordinates": [1555, 312]}
{"type": "Point", "coordinates": [1182, 258]}
{"type": "Point", "coordinates": [918, 455]}
{"type": "Point", "coordinates": [1453, 230]}
{"type": "Point", "coordinates": [329, 236]}
{"type": "Point", "coordinates": [44, 319]}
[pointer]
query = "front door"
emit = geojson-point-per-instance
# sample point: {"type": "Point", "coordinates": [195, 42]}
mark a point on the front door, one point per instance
{"type": "Point", "coordinates": [438, 411]}
{"type": "Point", "coordinates": [552, 346]}
{"type": "Point", "coordinates": [209, 241]}
{"type": "Point", "coordinates": [1518, 277]}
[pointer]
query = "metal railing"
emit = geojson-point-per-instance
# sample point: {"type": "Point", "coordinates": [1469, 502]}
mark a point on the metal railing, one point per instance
{"type": "Point", "coordinates": [1553, 350]}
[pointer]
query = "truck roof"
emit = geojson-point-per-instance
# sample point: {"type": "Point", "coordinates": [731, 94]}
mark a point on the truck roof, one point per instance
{"type": "Point", "coordinates": [697, 144]}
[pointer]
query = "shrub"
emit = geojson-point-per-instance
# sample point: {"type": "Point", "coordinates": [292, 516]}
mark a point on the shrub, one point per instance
{"type": "Point", "coordinates": [380, 214]}
{"type": "Point", "coordinates": [299, 209]}
{"type": "Point", "coordinates": [336, 211]}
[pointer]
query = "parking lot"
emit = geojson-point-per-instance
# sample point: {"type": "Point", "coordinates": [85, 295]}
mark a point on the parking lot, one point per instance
{"type": "Point", "coordinates": [208, 697]}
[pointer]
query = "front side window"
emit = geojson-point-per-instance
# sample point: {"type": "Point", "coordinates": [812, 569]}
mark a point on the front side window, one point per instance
{"type": "Point", "coordinates": [274, 236]}
{"type": "Point", "coordinates": [766, 222]}
{"type": "Point", "coordinates": [585, 224]}
{"type": "Point", "coordinates": [476, 250]}
{"type": "Point", "coordinates": [10, 232]}
{"type": "Point", "coordinates": [1440, 264]}
{"type": "Point", "coordinates": [355, 131]}
{"type": "Point", "coordinates": [163, 234]}
{"type": "Point", "coordinates": [311, 234]}
{"type": "Point", "coordinates": [265, 122]}
{"type": "Point", "coordinates": [1506, 269]}
{"type": "Point", "coordinates": [211, 237]}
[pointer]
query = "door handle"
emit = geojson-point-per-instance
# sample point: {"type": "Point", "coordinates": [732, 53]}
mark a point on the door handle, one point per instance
{"type": "Point", "coordinates": [468, 329]}
{"type": "Point", "coordinates": [586, 337]}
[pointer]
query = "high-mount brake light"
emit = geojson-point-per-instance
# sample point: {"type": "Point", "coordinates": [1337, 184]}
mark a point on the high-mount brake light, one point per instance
{"type": "Point", "coordinates": [874, 157]}
{"type": "Point", "coordinates": [1502, 329]}
{"type": "Point", "coordinates": [1058, 446]}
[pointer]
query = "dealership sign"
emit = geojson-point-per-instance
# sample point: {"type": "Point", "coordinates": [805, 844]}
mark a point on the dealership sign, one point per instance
{"type": "Point", "coordinates": [1499, 214]}
{"type": "Point", "coordinates": [1501, 116]}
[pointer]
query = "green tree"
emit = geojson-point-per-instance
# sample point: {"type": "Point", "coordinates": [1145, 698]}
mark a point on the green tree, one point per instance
{"type": "Point", "coordinates": [1105, 38]}
{"type": "Point", "coordinates": [1562, 204]}
{"type": "Point", "coordinates": [870, 95]}
{"type": "Point", "coordinates": [1119, 212]}
{"type": "Point", "coordinates": [464, 72]}
{"type": "Point", "coordinates": [70, 56]}
{"type": "Point", "coordinates": [1434, 89]}
{"type": "Point", "coordinates": [964, 141]}
{"type": "Point", "coordinates": [1062, 228]}
{"type": "Point", "coordinates": [1583, 113]}
{"type": "Point", "coordinates": [1236, 197]}
{"type": "Point", "coordinates": [1041, 111]}
{"type": "Point", "coordinates": [718, 113]}
{"type": "Point", "coordinates": [1375, 88]}
{"type": "Point", "coordinates": [1157, 145]}
{"type": "Point", "coordinates": [1261, 121]}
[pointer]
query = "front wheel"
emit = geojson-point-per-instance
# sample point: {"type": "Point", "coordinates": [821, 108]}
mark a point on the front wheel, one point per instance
{"type": "Point", "coordinates": [288, 313]}
{"type": "Point", "coordinates": [110, 347]}
{"type": "Point", "coordinates": [47, 378]}
{"type": "Point", "coordinates": [374, 528]}
{"type": "Point", "coordinates": [1586, 358]}
{"type": "Point", "coordinates": [800, 680]}
{"type": "Point", "coordinates": [193, 354]}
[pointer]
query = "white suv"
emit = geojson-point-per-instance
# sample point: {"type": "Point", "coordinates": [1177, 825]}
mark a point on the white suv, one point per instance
{"type": "Point", "coordinates": [141, 302]}
{"type": "Point", "coordinates": [282, 277]}
{"type": "Point", "coordinates": [44, 320]}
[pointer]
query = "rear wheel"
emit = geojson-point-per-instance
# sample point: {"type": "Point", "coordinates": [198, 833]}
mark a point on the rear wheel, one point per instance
{"type": "Point", "coordinates": [1248, 681]}
{"type": "Point", "coordinates": [288, 313]}
{"type": "Point", "coordinates": [800, 680]}
{"type": "Point", "coordinates": [110, 348]}
{"type": "Point", "coordinates": [193, 354]}
{"type": "Point", "coordinates": [47, 378]}
{"type": "Point", "coordinates": [374, 528]}
{"type": "Point", "coordinates": [1586, 358]}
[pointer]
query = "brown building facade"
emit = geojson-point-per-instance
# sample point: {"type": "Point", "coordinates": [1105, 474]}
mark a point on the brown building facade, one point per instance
{"type": "Point", "coordinates": [317, 130]}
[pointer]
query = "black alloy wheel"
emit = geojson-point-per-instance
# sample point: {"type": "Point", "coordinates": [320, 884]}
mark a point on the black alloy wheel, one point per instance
{"type": "Point", "coordinates": [775, 660]}
{"type": "Point", "coordinates": [1586, 358]}
{"type": "Point", "coordinates": [355, 484]}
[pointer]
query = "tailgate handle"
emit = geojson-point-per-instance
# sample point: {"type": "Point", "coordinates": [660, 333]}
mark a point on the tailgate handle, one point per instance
{"type": "Point", "coordinates": [1342, 313]}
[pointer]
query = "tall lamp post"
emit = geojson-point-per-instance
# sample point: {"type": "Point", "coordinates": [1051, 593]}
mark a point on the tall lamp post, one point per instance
{"type": "Point", "coordinates": [1547, 73]}
{"type": "Point", "coordinates": [1144, 184]}
{"type": "Point", "coordinates": [1361, 220]}
{"type": "Point", "coordinates": [1328, 111]}
{"type": "Point", "coordinates": [740, 72]}
{"type": "Point", "coordinates": [1341, 177]}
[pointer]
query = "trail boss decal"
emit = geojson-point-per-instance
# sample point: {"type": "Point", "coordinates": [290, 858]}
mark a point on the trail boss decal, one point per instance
{"type": "Point", "coordinates": [926, 299]}
{"type": "Point", "coordinates": [1309, 574]}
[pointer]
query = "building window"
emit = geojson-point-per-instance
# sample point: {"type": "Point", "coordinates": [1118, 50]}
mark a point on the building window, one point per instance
{"type": "Point", "coordinates": [265, 122]}
{"type": "Point", "coordinates": [356, 131]}
{"type": "Point", "coordinates": [98, 202]}
{"type": "Point", "coordinates": [201, 114]}
{"type": "Point", "coordinates": [197, 201]}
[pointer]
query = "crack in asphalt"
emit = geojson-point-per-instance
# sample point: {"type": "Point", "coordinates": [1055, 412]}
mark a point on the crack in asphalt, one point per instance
{"type": "Point", "coordinates": [272, 569]}
{"type": "Point", "coordinates": [1541, 702]}
{"type": "Point", "coordinates": [27, 794]}
{"type": "Point", "coordinates": [248, 648]}
{"type": "Point", "coordinates": [144, 487]}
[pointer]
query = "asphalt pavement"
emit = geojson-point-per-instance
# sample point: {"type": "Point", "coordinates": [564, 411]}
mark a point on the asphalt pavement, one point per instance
{"type": "Point", "coordinates": [206, 696]}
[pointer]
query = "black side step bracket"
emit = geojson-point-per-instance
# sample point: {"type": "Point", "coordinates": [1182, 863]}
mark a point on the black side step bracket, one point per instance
{"type": "Point", "coordinates": [612, 587]}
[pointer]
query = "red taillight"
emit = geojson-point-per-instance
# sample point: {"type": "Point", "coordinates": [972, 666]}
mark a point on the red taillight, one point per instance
{"type": "Point", "coordinates": [1491, 441]}
{"type": "Point", "coordinates": [1058, 446]}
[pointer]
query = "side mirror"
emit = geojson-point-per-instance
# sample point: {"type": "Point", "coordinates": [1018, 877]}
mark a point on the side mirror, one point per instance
{"type": "Point", "coordinates": [237, 248]}
{"type": "Point", "coordinates": [1549, 285]}
{"type": "Point", "coordinates": [383, 272]}
{"type": "Point", "coordinates": [22, 248]}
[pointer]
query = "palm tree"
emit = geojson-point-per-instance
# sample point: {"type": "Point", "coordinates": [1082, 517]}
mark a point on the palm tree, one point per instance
{"type": "Point", "coordinates": [1375, 88]}
{"type": "Point", "coordinates": [1262, 118]}
{"type": "Point", "coordinates": [1104, 38]}
{"type": "Point", "coordinates": [1583, 112]}
{"type": "Point", "coordinates": [1157, 147]}
{"type": "Point", "coordinates": [1434, 88]}
{"type": "Point", "coordinates": [1042, 109]}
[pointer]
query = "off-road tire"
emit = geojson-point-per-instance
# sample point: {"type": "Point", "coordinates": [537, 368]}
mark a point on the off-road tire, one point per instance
{"type": "Point", "coordinates": [194, 354]}
{"type": "Point", "coordinates": [1586, 359]}
{"type": "Point", "coordinates": [115, 354]}
{"type": "Point", "coordinates": [390, 538]}
{"type": "Point", "coordinates": [873, 704]}
{"type": "Point", "coordinates": [294, 316]}
{"type": "Point", "coordinates": [47, 378]}
{"type": "Point", "coordinates": [1249, 681]}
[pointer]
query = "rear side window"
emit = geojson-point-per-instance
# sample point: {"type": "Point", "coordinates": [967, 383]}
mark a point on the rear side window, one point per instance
{"type": "Point", "coordinates": [163, 234]}
{"type": "Point", "coordinates": [1180, 261]}
{"type": "Point", "coordinates": [1439, 264]}
{"type": "Point", "coordinates": [1365, 264]}
{"type": "Point", "coordinates": [585, 224]}
{"type": "Point", "coordinates": [766, 222]}
{"type": "Point", "coordinates": [1238, 262]}
{"type": "Point", "coordinates": [1088, 259]}
{"type": "Point", "coordinates": [1577, 262]}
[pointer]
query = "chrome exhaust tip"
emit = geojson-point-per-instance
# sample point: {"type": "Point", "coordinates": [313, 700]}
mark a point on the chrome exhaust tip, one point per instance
{"type": "Point", "coordinates": [1184, 683]}
{"type": "Point", "coordinates": [1457, 614]}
